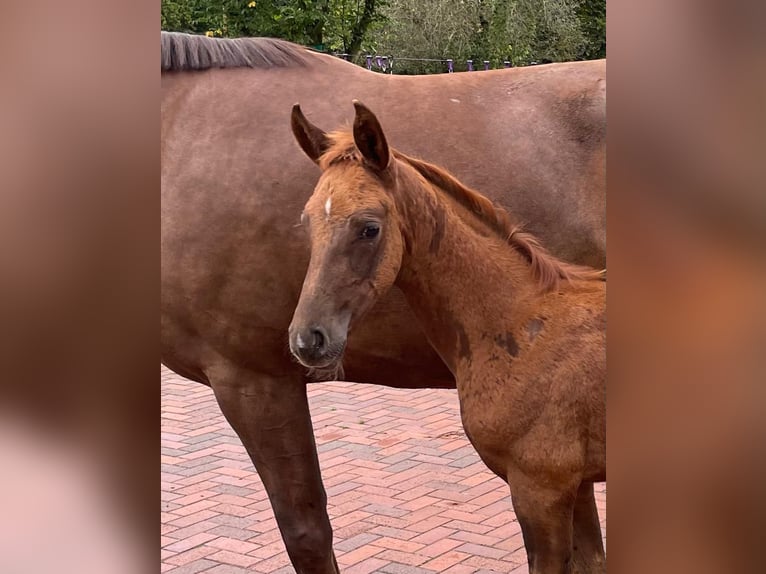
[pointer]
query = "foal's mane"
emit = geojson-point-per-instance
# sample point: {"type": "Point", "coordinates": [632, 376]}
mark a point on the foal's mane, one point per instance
{"type": "Point", "coordinates": [183, 52]}
{"type": "Point", "coordinates": [548, 269]}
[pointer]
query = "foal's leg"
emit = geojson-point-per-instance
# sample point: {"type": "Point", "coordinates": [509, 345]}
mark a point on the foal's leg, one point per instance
{"type": "Point", "coordinates": [589, 557]}
{"type": "Point", "coordinates": [271, 416]}
{"type": "Point", "coordinates": [545, 515]}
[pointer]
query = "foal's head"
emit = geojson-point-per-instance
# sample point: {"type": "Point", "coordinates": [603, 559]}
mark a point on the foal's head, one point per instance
{"type": "Point", "coordinates": [356, 241]}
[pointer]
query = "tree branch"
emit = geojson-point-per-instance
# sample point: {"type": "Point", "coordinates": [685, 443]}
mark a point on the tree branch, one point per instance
{"type": "Point", "coordinates": [360, 28]}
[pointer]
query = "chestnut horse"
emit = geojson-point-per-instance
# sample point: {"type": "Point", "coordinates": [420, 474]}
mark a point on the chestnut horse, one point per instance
{"type": "Point", "coordinates": [233, 261]}
{"type": "Point", "coordinates": [523, 333]}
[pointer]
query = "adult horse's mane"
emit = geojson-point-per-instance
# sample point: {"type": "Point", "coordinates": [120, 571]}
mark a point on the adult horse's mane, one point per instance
{"type": "Point", "coordinates": [182, 52]}
{"type": "Point", "coordinates": [548, 270]}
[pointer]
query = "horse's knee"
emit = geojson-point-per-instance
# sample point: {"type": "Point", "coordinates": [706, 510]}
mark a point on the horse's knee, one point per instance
{"type": "Point", "coordinates": [308, 539]}
{"type": "Point", "coordinates": [310, 547]}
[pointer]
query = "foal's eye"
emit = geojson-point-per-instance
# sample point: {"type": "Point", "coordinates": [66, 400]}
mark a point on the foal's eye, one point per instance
{"type": "Point", "coordinates": [370, 230]}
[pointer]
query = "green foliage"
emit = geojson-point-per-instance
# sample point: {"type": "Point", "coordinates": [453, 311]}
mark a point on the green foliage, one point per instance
{"type": "Point", "coordinates": [592, 16]}
{"type": "Point", "coordinates": [522, 31]}
{"type": "Point", "coordinates": [333, 25]}
{"type": "Point", "coordinates": [531, 30]}
{"type": "Point", "coordinates": [429, 29]}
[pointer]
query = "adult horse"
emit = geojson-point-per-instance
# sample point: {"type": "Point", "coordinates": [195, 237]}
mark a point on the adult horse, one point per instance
{"type": "Point", "coordinates": [233, 260]}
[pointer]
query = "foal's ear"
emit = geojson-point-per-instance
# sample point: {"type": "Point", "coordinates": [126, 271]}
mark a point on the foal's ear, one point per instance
{"type": "Point", "coordinates": [369, 138]}
{"type": "Point", "coordinates": [313, 141]}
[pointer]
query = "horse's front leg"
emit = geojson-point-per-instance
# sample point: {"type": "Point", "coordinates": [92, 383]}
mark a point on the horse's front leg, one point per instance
{"type": "Point", "coordinates": [588, 545]}
{"type": "Point", "coordinates": [271, 416]}
{"type": "Point", "coordinates": [545, 513]}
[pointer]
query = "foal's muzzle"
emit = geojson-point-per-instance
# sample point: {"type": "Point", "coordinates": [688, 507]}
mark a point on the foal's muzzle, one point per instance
{"type": "Point", "coordinates": [315, 347]}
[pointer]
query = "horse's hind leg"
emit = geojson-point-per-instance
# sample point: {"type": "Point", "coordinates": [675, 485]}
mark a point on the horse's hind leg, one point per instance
{"type": "Point", "coordinates": [271, 416]}
{"type": "Point", "coordinates": [546, 518]}
{"type": "Point", "coordinates": [588, 546]}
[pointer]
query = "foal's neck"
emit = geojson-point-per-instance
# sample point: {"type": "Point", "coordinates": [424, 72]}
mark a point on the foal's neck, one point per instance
{"type": "Point", "coordinates": [462, 280]}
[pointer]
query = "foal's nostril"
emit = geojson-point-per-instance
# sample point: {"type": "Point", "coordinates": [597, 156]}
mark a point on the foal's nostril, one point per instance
{"type": "Point", "coordinates": [313, 347]}
{"type": "Point", "coordinates": [312, 341]}
{"type": "Point", "coordinates": [317, 339]}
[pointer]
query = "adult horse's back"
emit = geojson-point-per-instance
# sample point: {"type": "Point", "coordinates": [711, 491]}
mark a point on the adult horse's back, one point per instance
{"type": "Point", "coordinates": [234, 183]}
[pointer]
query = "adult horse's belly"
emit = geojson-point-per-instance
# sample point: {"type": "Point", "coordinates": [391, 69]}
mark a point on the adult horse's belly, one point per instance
{"type": "Point", "coordinates": [388, 347]}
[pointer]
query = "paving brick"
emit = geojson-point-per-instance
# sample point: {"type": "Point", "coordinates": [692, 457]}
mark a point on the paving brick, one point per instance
{"type": "Point", "coordinates": [467, 526]}
{"type": "Point", "coordinates": [233, 521]}
{"type": "Point", "coordinates": [358, 555]}
{"type": "Point", "coordinates": [233, 545]}
{"type": "Point", "coordinates": [194, 518]}
{"type": "Point", "coordinates": [399, 533]}
{"type": "Point", "coordinates": [433, 535]}
{"type": "Point", "coordinates": [188, 531]}
{"type": "Point", "coordinates": [189, 556]}
{"type": "Point", "coordinates": [193, 567]}
{"type": "Point", "coordinates": [190, 542]}
{"type": "Point", "coordinates": [232, 532]}
{"type": "Point", "coordinates": [402, 557]}
{"type": "Point", "coordinates": [488, 563]}
{"type": "Point", "coordinates": [441, 546]}
{"type": "Point", "coordinates": [366, 566]}
{"type": "Point", "coordinates": [227, 569]}
{"type": "Point", "coordinates": [445, 561]}
{"type": "Point", "coordinates": [407, 493]}
{"type": "Point", "coordinates": [277, 563]}
{"type": "Point", "coordinates": [481, 550]}
{"type": "Point", "coordinates": [395, 543]}
{"type": "Point", "coordinates": [233, 558]}
{"type": "Point", "coordinates": [268, 550]}
{"type": "Point", "coordinates": [355, 542]}
{"type": "Point", "coordinates": [396, 568]}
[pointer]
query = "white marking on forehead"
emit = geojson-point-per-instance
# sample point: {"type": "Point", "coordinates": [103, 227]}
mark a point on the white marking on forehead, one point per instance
{"type": "Point", "coordinates": [454, 100]}
{"type": "Point", "coordinates": [327, 205]}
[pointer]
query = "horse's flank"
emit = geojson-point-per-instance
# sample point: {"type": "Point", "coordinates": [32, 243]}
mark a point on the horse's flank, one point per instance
{"type": "Point", "coordinates": [188, 52]}
{"type": "Point", "coordinates": [548, 269]}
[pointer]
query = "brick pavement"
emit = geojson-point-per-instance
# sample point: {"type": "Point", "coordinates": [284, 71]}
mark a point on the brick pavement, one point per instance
{"type": "Point", "coordinates": [407, 494]}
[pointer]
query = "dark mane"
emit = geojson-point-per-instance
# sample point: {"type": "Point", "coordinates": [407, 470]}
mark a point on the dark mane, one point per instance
{"type": "Point", "coordinates": [182, 52]}
{"type": "Point", "coordinates": [548, 269]}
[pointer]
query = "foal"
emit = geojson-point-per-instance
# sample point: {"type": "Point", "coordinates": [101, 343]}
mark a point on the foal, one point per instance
{"type": "Point", "coordinates": [522, 332]}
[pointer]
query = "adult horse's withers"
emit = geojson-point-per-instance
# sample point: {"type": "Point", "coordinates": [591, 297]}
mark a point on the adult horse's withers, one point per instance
{"type": "Point", "coordinates": [233, 260]}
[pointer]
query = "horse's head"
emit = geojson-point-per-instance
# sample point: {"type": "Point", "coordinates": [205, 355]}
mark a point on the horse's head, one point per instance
{"type": "Point", "coordinates": [356, 241]}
